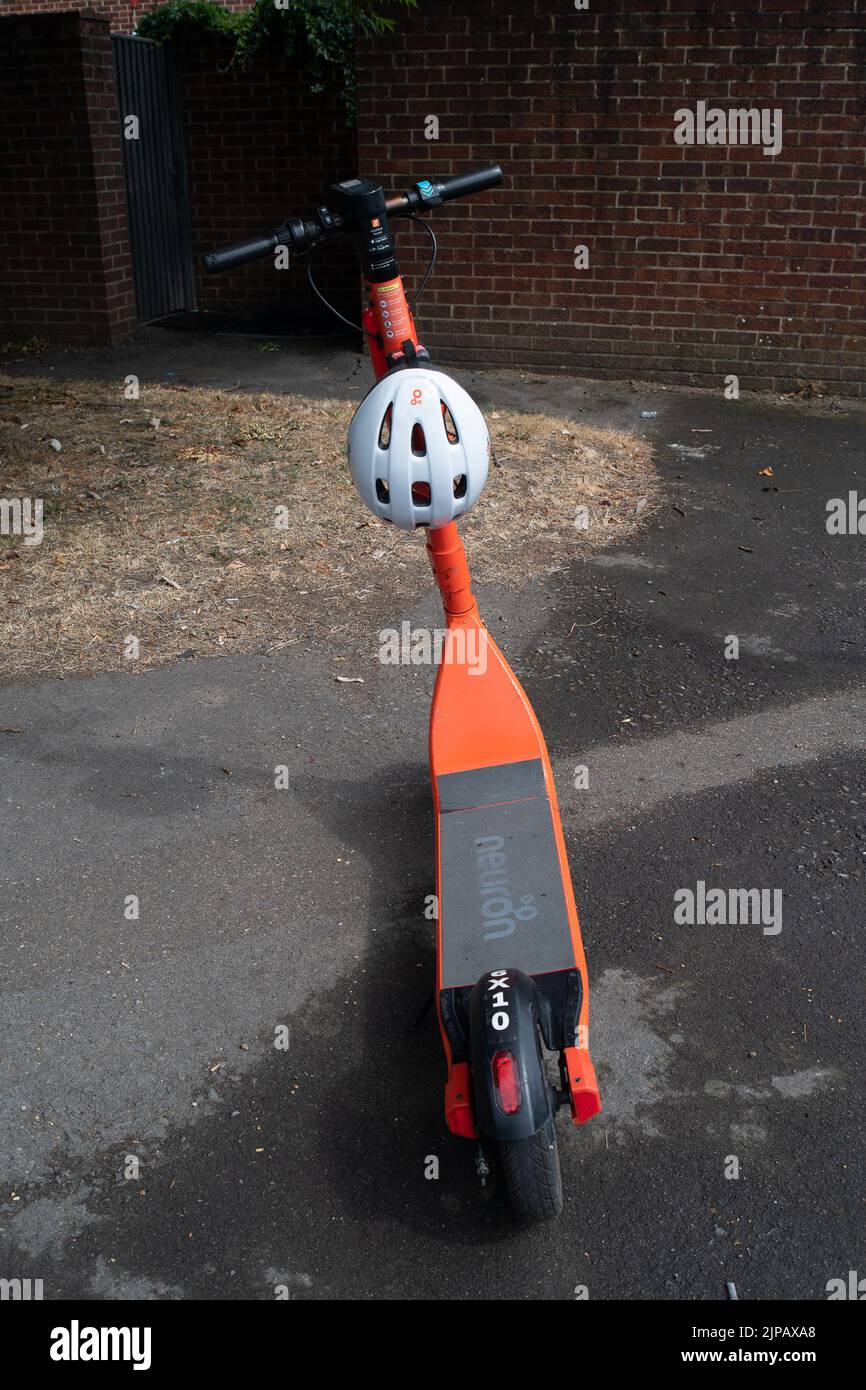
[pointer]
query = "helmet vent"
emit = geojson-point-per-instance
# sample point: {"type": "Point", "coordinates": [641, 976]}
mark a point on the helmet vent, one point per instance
{"type": "Point", "coordinates": [385, 430]}
{"type": "Point", "coordinates": [460, 485]}
{"type": "Point", "coordinates": [421, 494]}
{"type": "Point", "coordinates": [419, 443]}
{"type": "Point", "coordinates": [382, 494]}
{"type": "Point", "coordinates": [450, 427]}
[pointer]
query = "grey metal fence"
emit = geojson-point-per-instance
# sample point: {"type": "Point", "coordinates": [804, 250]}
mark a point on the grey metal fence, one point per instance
{"type": "Point", "coordinates": [155, 167]}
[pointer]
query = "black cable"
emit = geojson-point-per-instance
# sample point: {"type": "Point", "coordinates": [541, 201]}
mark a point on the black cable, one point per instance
{"type": "Point", "coordinates": [359, 327]}
{"type": "Point", "coordinates": [432, 235]}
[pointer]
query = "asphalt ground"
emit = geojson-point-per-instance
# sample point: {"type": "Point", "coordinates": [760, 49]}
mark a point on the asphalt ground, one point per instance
{"type": "Point", "coordinates": [302, 909]}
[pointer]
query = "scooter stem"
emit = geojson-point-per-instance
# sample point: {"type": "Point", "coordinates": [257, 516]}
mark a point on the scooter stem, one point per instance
{"type": "Point", "coordinates": [451, 569]}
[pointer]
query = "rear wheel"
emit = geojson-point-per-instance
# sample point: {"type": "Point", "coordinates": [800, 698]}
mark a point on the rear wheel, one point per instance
{"type": "Point", "coordinates": [533, 1180]}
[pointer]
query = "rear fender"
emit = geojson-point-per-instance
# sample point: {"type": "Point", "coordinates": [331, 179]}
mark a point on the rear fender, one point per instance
{"type": "Point", "coordinates": [504, 1018]}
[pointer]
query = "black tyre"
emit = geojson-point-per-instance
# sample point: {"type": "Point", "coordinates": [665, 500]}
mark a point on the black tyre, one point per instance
{"type": "Point", "coordinates": [530, 1168]}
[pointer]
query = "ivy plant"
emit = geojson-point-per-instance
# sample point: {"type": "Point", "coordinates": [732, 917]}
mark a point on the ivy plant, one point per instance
{"type": "Point", "coordinates": [319, 33]}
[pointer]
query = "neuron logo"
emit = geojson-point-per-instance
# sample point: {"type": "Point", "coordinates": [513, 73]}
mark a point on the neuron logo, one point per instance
{"type": "Point", "coordinates": [497, 901]}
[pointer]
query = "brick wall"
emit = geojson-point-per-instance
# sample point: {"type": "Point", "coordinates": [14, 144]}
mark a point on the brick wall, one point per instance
{"type": "Point", "coordinates": [63, 231]}
{"type": "Point", "coordinates": [704, 260]}
{"type": "Point", "coordinates": [260, 148]}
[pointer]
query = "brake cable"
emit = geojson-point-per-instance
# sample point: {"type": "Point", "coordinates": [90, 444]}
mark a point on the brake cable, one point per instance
{"type": "Point", "coordinates": [359, 327]}
{"type": "Point", "coordinates": [435, 251]}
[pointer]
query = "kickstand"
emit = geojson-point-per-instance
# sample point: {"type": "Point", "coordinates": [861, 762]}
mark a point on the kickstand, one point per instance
{"type": "Point", "coordinates": [425, 1009]}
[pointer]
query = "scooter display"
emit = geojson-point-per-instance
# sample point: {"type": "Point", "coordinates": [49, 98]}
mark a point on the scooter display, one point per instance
{"type": "Point", "coordinates": [511, 980]}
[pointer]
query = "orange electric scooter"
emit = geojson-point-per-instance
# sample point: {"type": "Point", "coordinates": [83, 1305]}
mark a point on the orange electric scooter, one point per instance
{"type": "Point", "coordinates": [511, 981]}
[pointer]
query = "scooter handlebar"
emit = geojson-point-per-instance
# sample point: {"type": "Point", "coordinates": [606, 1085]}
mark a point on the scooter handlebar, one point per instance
{"type": "Point", "coordinates": [301, 235]}
{"type": "Point", "coordinates": [476, 181]}
{"type": "Point", "coordinates": [227, 257]}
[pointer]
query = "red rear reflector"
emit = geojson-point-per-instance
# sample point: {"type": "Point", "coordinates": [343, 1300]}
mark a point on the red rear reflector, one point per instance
{"type": "Point", "coordinates": [507, 1082]}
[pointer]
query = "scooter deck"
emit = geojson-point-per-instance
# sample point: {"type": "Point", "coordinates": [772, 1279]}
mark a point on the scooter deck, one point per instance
{"type": "Point", "coordinates": [504, 888]}
{"type": "Point", "coordinates": [501, 894]}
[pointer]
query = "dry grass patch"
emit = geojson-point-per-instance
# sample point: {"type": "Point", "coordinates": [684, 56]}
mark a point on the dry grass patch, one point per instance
{"type": "Point", "coordinates": [202, 521]}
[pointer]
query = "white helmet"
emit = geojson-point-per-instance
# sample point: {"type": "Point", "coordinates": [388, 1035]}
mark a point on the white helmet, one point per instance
{"type": "Point", "coordinates": [418, 448]}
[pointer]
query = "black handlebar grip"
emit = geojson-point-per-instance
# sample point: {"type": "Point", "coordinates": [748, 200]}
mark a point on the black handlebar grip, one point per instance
{"type": "Point", "coordinates": [461, 185]}
{"type": "Point", "coordinates": [242, 251]}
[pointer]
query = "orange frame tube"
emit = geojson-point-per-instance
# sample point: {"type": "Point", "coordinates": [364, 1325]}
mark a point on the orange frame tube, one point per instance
{"type": "Point", "coordinates": [388, 322]}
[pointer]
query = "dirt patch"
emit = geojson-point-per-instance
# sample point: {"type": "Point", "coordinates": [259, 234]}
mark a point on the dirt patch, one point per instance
{"type": "Point", "coordinates": [198, 522]}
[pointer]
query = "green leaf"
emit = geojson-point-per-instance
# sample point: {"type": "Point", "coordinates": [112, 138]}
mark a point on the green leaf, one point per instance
{"type": "Point", "coordinates": [318, 33]}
